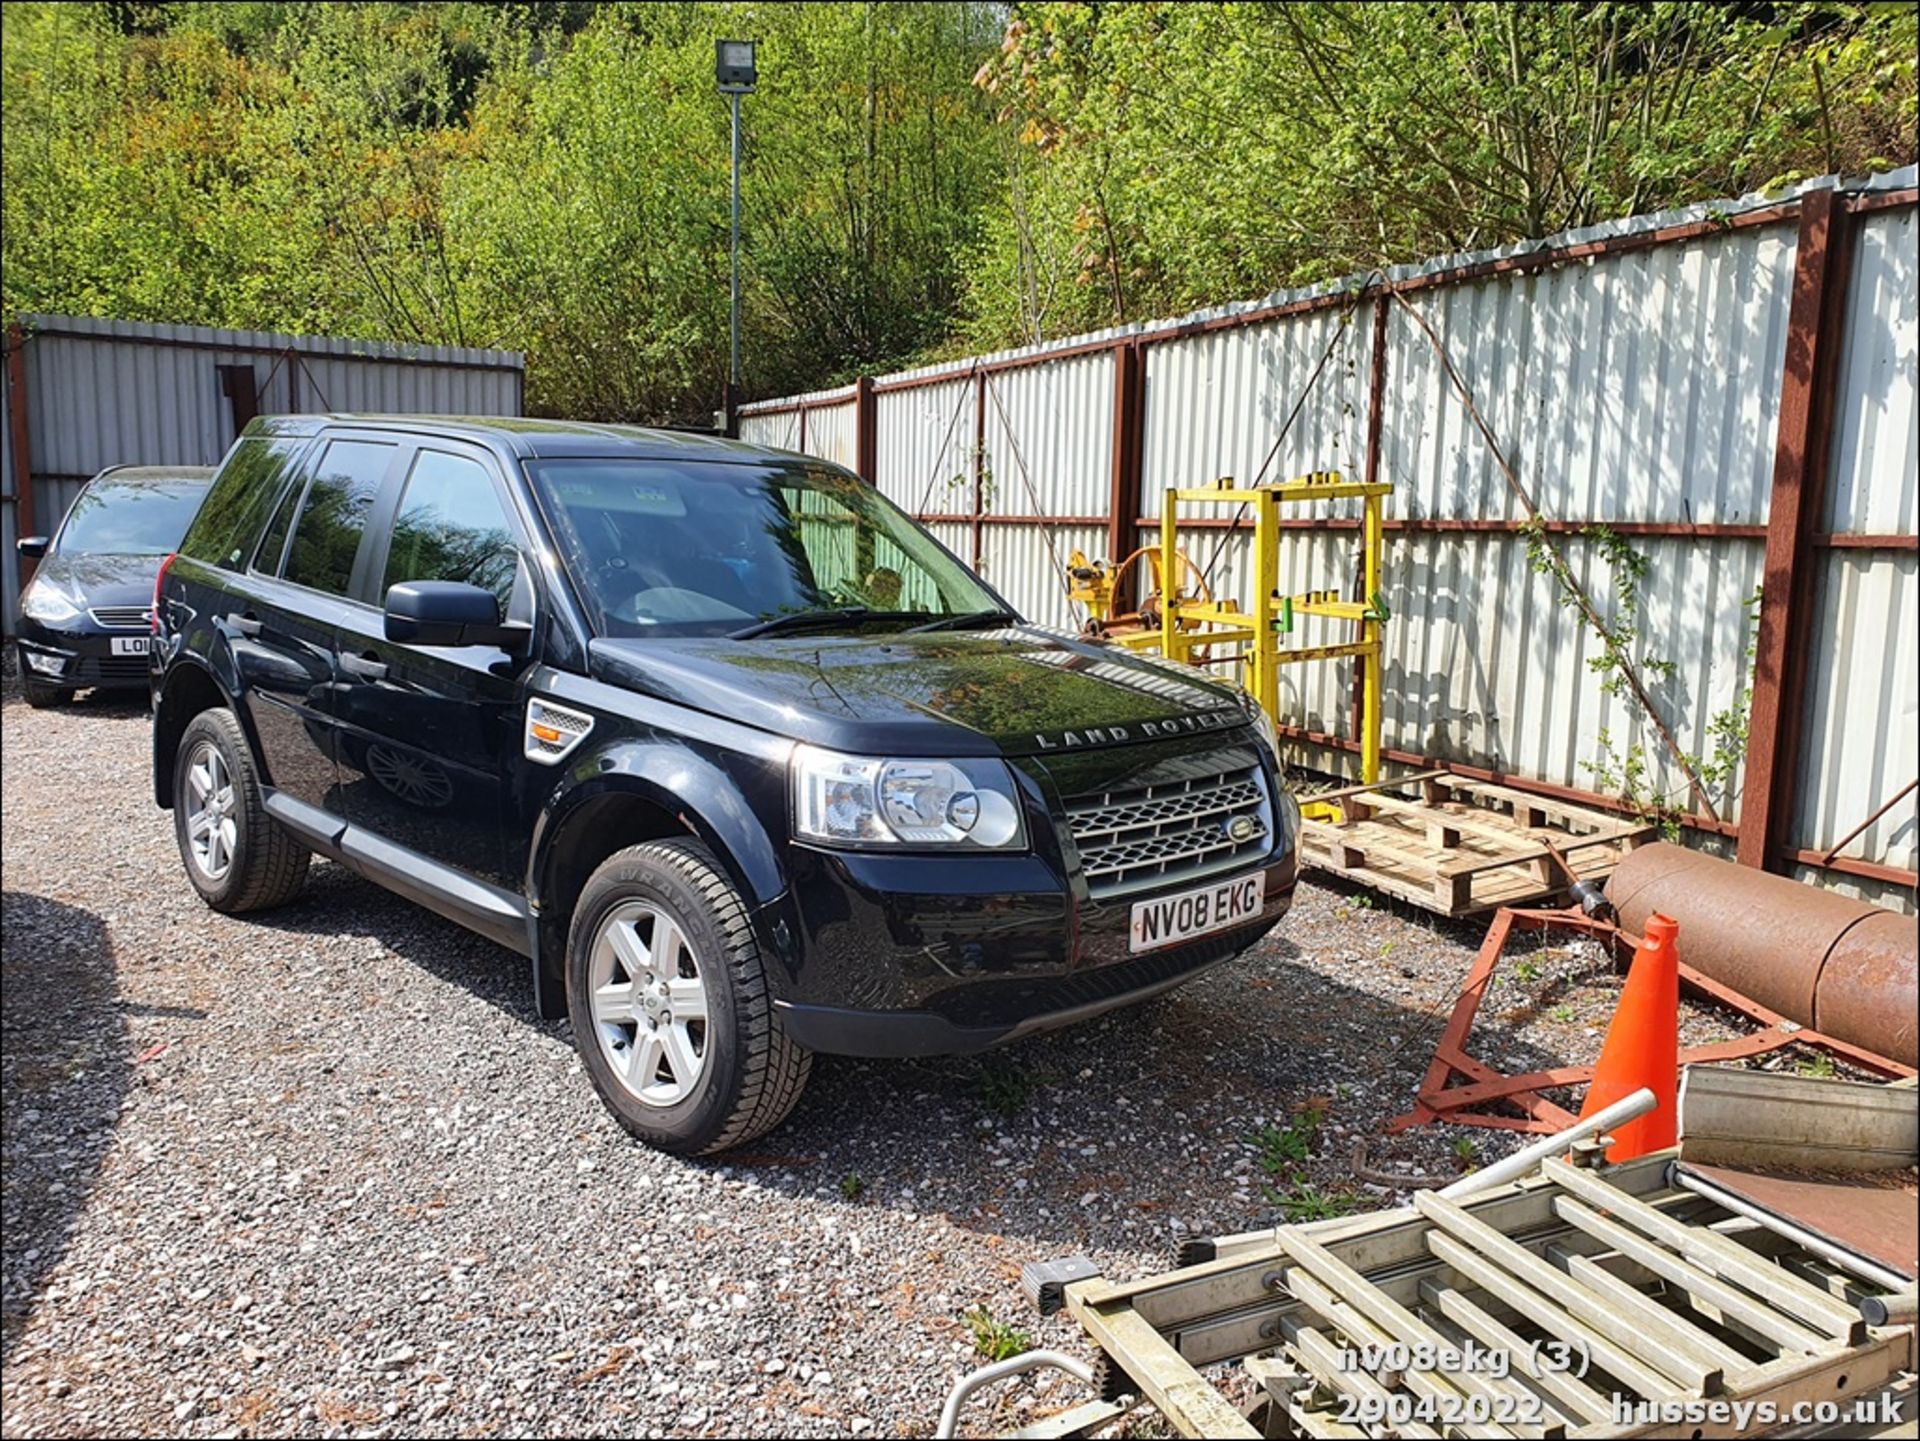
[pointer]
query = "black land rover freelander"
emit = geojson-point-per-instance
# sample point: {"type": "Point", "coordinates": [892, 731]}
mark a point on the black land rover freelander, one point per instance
{"type": "Point", "coordinates": [743, 761]}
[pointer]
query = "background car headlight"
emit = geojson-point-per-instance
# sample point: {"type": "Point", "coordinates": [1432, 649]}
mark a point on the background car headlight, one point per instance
{"type": "Point", "coordinates": [871, 802]}
{"type": "Point", "coordinates": [48, 604]}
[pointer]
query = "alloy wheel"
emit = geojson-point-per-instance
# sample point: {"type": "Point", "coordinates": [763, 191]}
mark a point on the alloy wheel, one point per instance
{"type": "Point", "coordinates": [649, 1003]}
{"type": "Point", "coordinates": [213, 829]}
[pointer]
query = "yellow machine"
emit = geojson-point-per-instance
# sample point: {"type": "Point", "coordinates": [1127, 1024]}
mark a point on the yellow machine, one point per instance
{"type": "Point", "coordinates": [1187, 626]}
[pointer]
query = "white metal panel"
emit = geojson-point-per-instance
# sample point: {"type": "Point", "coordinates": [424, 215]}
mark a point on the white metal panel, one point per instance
{"type": "Point", "coordinates": [1486, 664]}
{"type": "Point", "coordinates": [1874, 484]}
{"type": "Point", "coordinates": [1638, 386]}
{"type": "Point", "coordinates": [1862, 730]}
{"type": "Point", "coordinates": [779, 429]}
{"type": "Point", "coordinates": [1218, 401]}
{"type": "Point", "coordinates": [1049, 438]}
{"type": "Point", "coordinates": [830, 434]}
{"type": "Point", "coordinates": [1861, 733]}
{"type": "Point", "coordinates": [828, 429]}
{"type": "Point", "coordinates": [758, 408]}
{"type": "Point", "coordinates": [1861, 888]}
{"type": "Point", "coordinates": [1027, 565]}
{"type": "Point", "coordinates": [924, 454]}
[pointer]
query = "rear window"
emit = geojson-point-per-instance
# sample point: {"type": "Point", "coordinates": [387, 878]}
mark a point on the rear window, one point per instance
{"type": "Point", "coordinates": [127, 517]}
{"type": "Point", "coordinates": [255, 475]}
{"type": "Point", "coordinates": [333, 517]}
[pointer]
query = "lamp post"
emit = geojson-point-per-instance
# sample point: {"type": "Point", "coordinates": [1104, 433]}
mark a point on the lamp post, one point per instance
{"type": "Point", "coordinates": [733, 69]}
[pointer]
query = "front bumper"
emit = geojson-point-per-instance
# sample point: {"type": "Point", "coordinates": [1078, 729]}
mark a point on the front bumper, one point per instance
{"type": "Point", "coordinates": [78, 659]}
{"type": "Point", "coordinates": [918, 955]}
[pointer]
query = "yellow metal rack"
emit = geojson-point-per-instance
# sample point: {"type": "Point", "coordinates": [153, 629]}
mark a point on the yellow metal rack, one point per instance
{"type": "Point", "coordinates": [1178, 625]}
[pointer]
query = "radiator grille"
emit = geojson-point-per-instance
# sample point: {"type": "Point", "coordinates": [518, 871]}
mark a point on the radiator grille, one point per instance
{"type": "Point", "coordinates": [122, 617]}
{"type": "Point", "coordinates": [1156, 835]}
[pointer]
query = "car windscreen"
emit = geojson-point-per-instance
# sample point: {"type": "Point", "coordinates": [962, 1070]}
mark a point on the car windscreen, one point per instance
{"type": "Point", "coordinates": [668, 547]}
{"type": "Point", "coordinates": [131, 518]}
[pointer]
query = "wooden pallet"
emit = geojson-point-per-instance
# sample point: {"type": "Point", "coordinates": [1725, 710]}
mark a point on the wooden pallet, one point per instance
{"type": "Point", "coordinates": [1666, 1299]}
{"type": "Point", "coordinates": [1460, 846]}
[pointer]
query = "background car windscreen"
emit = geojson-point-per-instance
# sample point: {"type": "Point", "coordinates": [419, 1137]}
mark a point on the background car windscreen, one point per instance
{"type": "Point", "coordinates": [147, 518]}
{"type": "Point", "coordinates": [686, 548]}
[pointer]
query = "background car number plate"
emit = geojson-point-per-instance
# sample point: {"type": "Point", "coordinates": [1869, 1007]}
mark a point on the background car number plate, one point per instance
{"type": "Point", "coordinates": [130, 645]}
{"type": "Point", "coordinates": [1166, 919]}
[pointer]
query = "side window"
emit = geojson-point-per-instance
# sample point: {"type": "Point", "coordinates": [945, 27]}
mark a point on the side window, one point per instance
{"type": "Point", "coordinates": [235, 508]}
{"type": "Point", "coordinates": [273, 544]}
{"type": "Point", "coordinates": [327, 535]}
{"type": "Point", "coordinates": [451, 526]}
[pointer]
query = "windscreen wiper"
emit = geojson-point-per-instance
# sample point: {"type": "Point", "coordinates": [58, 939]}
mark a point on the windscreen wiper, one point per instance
{"type": "Point", "coordinates": [967, 621]}
{"type": "Point", "coordinates": [815, 619]}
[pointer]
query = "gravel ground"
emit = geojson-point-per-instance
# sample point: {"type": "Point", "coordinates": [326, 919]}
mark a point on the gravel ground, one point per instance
{"type": "Point", "coordinates": [322, 1172]}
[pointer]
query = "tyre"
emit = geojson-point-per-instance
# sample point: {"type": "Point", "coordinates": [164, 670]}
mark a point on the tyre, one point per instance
{"type": "Point", "coordinates": [237, 856]}
{"type": "Point", "coordinates": [668, 996]}
{"type": "Point", "coordinates": [43, 697]}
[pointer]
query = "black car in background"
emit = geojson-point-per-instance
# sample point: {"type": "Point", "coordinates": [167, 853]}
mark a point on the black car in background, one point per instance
{"type": "Point", "coordinates": [86, 617]}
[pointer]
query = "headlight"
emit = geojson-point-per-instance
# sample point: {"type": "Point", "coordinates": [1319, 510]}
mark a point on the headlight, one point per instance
{"type": "Point", "coordinates": [47, 604]}
{"type": "Point", "coordinates": [857, 801]}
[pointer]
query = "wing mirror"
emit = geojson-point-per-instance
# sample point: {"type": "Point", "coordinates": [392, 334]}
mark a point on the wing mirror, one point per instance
{"type": "Point", "coordinates": [449, 613]}
{"type": "Point", "coordinates": [33, 547]}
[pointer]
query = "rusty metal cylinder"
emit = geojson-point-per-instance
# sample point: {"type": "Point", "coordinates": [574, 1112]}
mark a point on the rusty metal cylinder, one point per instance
{"type": "Point", "coordinates": [1840, 966]}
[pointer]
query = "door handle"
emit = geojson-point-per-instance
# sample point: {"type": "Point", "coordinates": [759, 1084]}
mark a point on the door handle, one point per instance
{"type": "Point", "coordinates": [364, 667]}
{"type": "Point", "coordinates": [246, 623]}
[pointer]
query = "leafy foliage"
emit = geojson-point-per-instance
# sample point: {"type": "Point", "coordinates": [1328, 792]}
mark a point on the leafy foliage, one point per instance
{"type": "Point", "coordinates": [993, 1338]}
{"type": "Point", "coordinates": [1173, 155]}
{"type": "Point", "coordinates": [920, 178]}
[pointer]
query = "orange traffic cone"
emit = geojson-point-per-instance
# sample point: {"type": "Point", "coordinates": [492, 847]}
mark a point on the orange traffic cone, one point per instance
{"type": "Point", "coordinates": [1643, 1046]}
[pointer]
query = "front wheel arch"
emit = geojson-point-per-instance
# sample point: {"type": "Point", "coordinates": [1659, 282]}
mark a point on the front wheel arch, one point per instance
{"type": "Point", "coordinates": [627, 801]}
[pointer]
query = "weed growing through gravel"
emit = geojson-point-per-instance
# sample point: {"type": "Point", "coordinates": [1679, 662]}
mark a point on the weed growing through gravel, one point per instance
{"type": "Point", "coordinates": [1306, 1202]}
{"type": "Point", "coordinates": [993, 1338]}
{"type": "Point", "coordinates": [1283, 1147]}
{"type": "Point", "coordinates": [851, 1185]}
{"type": "Point", "coordinates": [1562, 1014]}
{"type": "Point", "coordinates": [1465, 1150]}
{"type": "Point", "coordinates": [1527, 970]}
{"type": "Point", "coordinates": [1005, 1089]}
{"type": "Point", "coordinates": [1819, 1066]}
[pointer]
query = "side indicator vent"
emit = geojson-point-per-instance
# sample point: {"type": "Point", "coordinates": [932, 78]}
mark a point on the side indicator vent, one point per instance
{"type": "Point", "coordinates": [553, 731]}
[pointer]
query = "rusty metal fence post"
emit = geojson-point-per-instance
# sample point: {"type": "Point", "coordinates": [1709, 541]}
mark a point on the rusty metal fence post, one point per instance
{"type": "Point", "coordinates": [18, 438]}
{"type": "Point", "coordinates": [1795, 510]}
{"type": "Point", "coordinates": [866, 434]}
{"type": "Point", "coordinates": [1129, 455]}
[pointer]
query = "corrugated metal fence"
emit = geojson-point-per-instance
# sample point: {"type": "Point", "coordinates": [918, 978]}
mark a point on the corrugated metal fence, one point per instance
{"type": "Point", "coordinates": [1670, 378]}
{"type": "Point", "coordinates": [112, 392]}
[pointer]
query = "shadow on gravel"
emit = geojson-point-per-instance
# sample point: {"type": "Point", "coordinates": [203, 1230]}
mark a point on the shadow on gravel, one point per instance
{"type": "Point", "coordinates": [64, 1071]}
{"type": "Point", "coordinates": [1188, 1077]}
{"type": "Point", "coordinates": [1181, 1085]}
{"type": "Point", "coordinates": [337, 902]}
{"type": "Point", "coordinates": [109, 704]}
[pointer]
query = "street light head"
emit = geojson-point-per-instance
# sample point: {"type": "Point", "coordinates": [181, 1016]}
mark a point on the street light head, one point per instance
{"type": "Point", "coordinates": [733, 66]}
